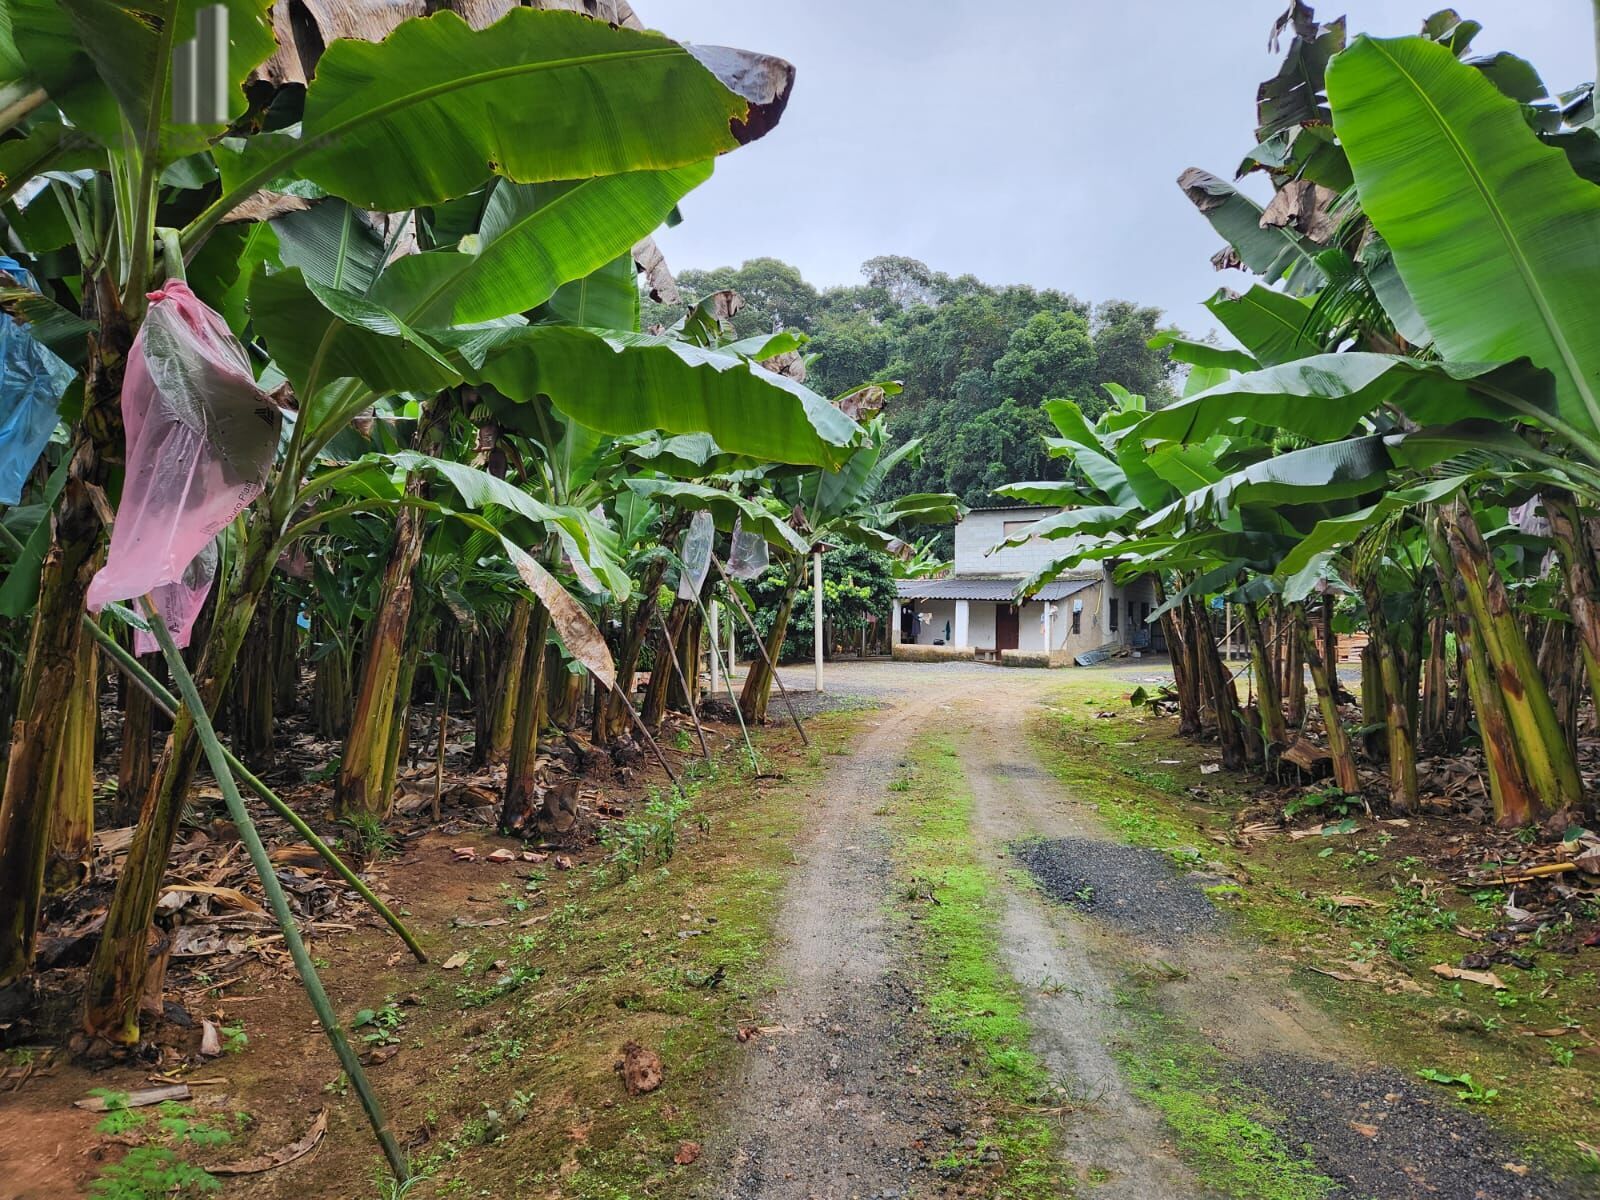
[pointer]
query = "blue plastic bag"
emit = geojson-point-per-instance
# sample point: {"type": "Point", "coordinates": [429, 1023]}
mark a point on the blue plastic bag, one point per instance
{"type": "Point", "coordinates": [32, 380]}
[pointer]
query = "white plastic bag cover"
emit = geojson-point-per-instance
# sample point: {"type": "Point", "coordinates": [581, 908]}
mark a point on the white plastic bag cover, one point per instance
{"type": "Point", "coordinates": [748, 557]}
{"type": "Point", "coordinates": [201, 438]}
{"type": "Point", "coordinates": [696, 555]}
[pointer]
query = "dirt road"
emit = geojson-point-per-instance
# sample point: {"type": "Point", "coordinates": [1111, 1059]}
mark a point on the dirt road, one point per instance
{"type": "Point", "coordinates": [834, 1104]}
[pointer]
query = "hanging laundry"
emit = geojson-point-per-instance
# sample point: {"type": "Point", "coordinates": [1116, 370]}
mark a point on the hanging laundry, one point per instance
{"type": "Point", "coordinates": [32, 381]}
{"type": "Point", "coordinates": [201, 439]}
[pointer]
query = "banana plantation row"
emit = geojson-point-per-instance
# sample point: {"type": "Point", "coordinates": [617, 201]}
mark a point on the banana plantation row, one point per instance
{"type": "Point", "coordinates": [1406, 441]}
{"type": "Point", "coordinates": [356, 374]}
{"type": "Point", "coordinates": [365, 356]}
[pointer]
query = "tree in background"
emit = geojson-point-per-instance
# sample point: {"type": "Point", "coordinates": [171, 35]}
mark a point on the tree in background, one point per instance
{"type": "Point", "coordinates": [977, 361]}
{"type": "Point", "coordinates": [857, 585]}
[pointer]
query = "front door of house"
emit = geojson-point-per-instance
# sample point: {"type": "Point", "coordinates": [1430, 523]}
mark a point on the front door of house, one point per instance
{"type": "Point", "coordinates": [1005, 627]}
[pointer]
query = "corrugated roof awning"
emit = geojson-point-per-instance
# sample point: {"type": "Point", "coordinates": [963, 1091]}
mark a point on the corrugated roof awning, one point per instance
{"type": "Point", "coordinates": [1000, 590]}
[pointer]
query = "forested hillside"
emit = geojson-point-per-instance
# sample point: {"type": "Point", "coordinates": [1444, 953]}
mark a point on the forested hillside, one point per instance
{"type": "Point", "coordinates": [976, 359]}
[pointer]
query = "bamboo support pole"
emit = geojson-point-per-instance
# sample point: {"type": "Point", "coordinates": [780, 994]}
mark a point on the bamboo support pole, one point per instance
{"type": "Point", "coordinates": [218, 758]}
{"type": "Point", "coordinates": [761, 645]}
{"type": "Point", "coordinates": [168, 704]}
{"type": "Point", "coordinates": [727, 678]}
{"type": "Point", "coordinates": [688, 692]}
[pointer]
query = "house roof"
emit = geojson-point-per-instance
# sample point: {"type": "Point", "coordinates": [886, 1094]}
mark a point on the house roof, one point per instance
{"type": "Point", "coordinates": [1002, 589]}
{"type": "Point", "coordinates": [977, 508]}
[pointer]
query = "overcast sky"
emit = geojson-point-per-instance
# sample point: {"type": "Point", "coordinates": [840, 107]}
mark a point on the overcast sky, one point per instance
{"type": "Point", "coordinates": [1032, 143]}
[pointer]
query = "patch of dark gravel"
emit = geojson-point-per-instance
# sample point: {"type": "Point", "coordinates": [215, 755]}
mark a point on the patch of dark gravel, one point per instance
{"type": "Point", "coordinates": [1140, 890]}
{"type": "Point", "coordinates": [806, 703]}
{"type": "Point", "coordinates": [1380, 1135]}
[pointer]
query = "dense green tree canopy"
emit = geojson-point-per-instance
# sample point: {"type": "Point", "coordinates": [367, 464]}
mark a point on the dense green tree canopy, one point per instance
{"type": "Point", "coordinates": [976, 360]}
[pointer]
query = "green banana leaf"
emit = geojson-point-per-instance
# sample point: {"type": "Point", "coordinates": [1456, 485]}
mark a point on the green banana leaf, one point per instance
{"type": "Point", "coordinates": [1269, 324]}
{"type": "Point", "coordinates": [333, 243]}
{"type": "Point", "coordinates": [1274, 253]}
{"type": "Point", "coordinates": [1496, 238]}
{"type": "Point", "coordinates": [319, 334]}
{"type": "Point", "coordinates": [531, 240]}
{"type": "Point", "coordinates": [1201, 354]}
{"type": "Point", "coordinates": [1325, 397]}
{"type": "Point", "coordinates": [437, 107]}
{"type": "Point", "coordinates": [607, 298]}
{"type": "Point", "coordinates": [108, 65]}
{"type": "Point", "coordinates": [629, 383]}
{"type": "Point", "coordinates": [725, 508]}
{"type": "Point", "coordinates": [1333, 471]}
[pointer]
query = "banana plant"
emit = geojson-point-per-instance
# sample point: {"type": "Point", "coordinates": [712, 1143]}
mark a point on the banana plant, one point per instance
{"type": "Point", "coordinates": [92, 83]}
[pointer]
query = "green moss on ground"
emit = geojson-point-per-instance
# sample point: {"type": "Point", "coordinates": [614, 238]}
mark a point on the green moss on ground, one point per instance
{"type": "Point", "coordinates": [528, 1103]}
{"type": "Point", "coordinates": [1137, 773]}
{"type": "Point", "coordinates": [968, 994]}
{"type": "Point", "coordinates": [1224, 1134]}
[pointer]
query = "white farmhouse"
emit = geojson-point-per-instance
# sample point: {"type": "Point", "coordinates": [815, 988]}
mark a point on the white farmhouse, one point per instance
{"type": "Point", "coordinates": [972, 612]}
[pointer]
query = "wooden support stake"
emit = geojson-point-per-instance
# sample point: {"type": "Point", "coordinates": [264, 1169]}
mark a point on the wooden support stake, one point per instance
{"type": "Point", "coordinates": [761, 645]}
{"type": "Point", "coordinates": [688, 693]}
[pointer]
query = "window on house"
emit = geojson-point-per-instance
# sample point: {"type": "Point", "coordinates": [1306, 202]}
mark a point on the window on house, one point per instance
{"type": "Point", "coordinates": [1113, 614]}
{"type": "Point", "coordinates": [1077, 620]}
{"type": "Point", "coordinates": [1012, 528]}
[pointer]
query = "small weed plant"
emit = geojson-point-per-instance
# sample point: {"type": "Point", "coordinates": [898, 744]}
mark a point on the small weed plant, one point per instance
{"type": "Point", "coordinates": [1325, 802]}
{"type": "Point", "coordinates": [649, 837]}
{"type": "Point", "coordinates": [379, 1026]}
{"type": "Point", "coordinates": [367, 838]}
{"type": "Point", "coordinates": [1468, 1090]}
{"type": "Point", "coordinates": [157, 1168]}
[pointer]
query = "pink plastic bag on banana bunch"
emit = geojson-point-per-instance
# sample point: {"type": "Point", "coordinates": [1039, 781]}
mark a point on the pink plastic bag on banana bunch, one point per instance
{"type": "Point", "coordinates": [201, 437]}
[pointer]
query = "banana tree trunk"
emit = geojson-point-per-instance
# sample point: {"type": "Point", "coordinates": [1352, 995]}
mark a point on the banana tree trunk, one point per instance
{"type": "Point", "coordinates": [1435, 685]}
{"type": "Point", "coordinates": [1573, 544]}
{"type": "Point", "coordinates": [1403, 794]}
{"type": "Point", "coordinates": [330, 687]}
{"type": "Point", "coordinates": [117, 972]}
{"type": "Point", "coordinates": [683, 691]}
{"type": "Point", "coordinates": [1461, 698]}
{"type": "Point", "coordinates": [1224, 700]}
{"type": "Point", "coordinates": [656, 694]}
{"type": "Point", "coordinates": [286, 654]}
{"type": "Point", "coordinates": [1274, 729]}
{"type": "Point", "coordinates": [1375, 741]}
{"type": "Point", "coordinates": [1540, 744]}
{"type": "Point", "coordinates": [72, 823]}
{"type": "Point", "coordinates": [563, 691]}
{"type": "Point", "coordinates": [1185, 675]}
{"type": "Point", "coordinates": [757, 688]}
{"type": "Point", "coordinates": [51, 671]}
{"type": "Point", "coordinates": [135, 759]}
{"type": "Point", "coordinates": [400, 723]}
{"type": "Point", "coordinates": [520, 799]}
{"type": "Point", "coordinates": [508, 673]}
{"type": "Point", "coordinates": [1558, 655]}
{"type": "Point", "coordinates": [253, 692]}
{"type": "Point", "coordinates": [611, 717]}
{"type": "Point", "coordinates": [1294, 665]}
{"type": "Point", "coordinates": [1511, 792]}
{"type": "Point", "coordinates": [363, 768]}
{"type": "Point", "coordinates": [1325, 683]}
